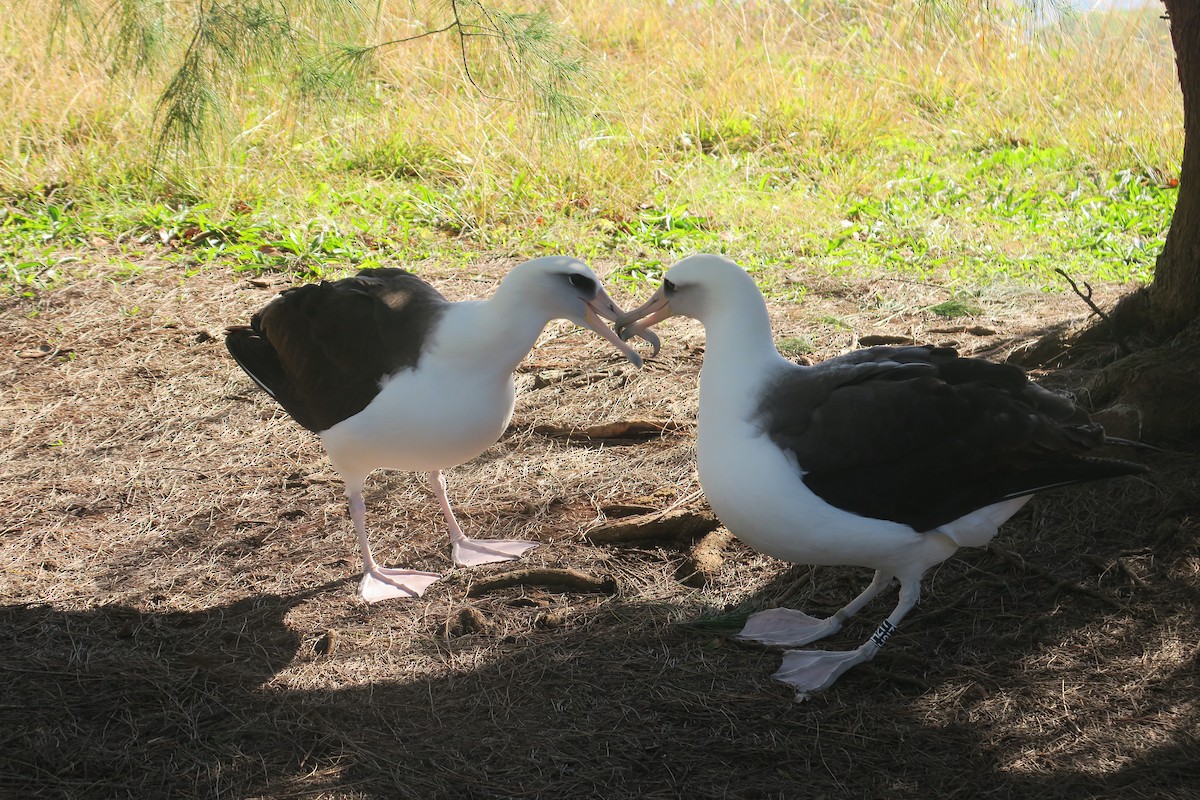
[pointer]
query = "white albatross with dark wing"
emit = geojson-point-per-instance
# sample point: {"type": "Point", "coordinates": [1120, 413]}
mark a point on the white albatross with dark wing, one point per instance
{"type": "Point", "coordinates": [890, 457]}
{"type": "Point", "coordinates": [392, 375]}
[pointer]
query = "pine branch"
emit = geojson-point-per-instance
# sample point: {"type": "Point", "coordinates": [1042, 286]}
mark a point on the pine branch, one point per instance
{"type": "Point", "coordinates": [222, 45]}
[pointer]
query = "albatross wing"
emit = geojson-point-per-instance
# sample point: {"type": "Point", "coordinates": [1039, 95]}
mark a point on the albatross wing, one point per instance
{"type": "Point", "coordinates": [321, 350]}
{"type": "Point", "coordinates": [919, 436]}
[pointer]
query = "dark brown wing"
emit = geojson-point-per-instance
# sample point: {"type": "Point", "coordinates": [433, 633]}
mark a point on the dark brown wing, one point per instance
{"type": "Point", "coordinates": [321, 350]}
{"type": "Point", "coordinates": [920, 436]}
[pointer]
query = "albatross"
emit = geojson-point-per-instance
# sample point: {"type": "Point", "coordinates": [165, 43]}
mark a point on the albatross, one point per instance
{"type": "Point", "coordinates": [392, 375]}
{"type": "Point", "coordinates": [889, 458]}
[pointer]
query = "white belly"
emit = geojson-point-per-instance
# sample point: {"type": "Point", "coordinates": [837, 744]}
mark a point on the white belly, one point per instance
{"type": "Point", "coordinates": [422, 421]}
{"type": "Point", "coordinates": [757, 492]}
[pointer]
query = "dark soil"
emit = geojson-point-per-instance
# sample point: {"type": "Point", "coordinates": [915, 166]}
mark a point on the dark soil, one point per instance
{"type": "Point", "coordinates": [178, 616]}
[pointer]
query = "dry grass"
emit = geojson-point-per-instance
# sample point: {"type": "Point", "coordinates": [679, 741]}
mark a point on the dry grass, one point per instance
{"type": "Point", "coordinates": [790, 101]}
{"type": "Point", "coordinates": [177, 612]}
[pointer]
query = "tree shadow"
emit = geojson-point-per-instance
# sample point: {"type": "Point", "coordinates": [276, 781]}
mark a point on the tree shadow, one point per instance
{"type": "Point", "coordinates": [113, 701]}
{"type": "Point", "coordinates": [627, 699]}
{"type": "Point", "coordinates": [118, 703]}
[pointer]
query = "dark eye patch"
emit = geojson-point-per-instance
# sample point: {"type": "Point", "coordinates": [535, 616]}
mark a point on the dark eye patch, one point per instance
{"type": "Point", "coordinates": [668, 287]}
{"type": "Point", "coordinates": [582, 282]}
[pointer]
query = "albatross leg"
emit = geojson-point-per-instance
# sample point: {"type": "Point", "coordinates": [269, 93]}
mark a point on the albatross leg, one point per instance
{"type": "Point", "coordinates": [786, 627]}
{"type": "Point", "coordinates": [815, 670]}
{"type": "Point", "coordinates": [468, 552]}
{"type": "Point", "coordinates": [382, 583]}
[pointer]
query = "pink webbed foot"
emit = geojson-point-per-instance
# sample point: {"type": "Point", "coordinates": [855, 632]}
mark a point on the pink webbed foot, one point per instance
{"type": "Point", "coordinates": [383, 583]}
{"type": "Point", "coordinates": [472, 552]}
{"type": "Point", "coordinates": [786, 627]}
{"type": "Point", "coordinates": [816, 670]}
{"type": "Point", "coordinates": [468, 552]}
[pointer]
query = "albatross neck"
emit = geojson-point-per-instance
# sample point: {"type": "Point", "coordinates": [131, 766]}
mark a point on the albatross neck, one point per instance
{"type": "Point", "coordinates": [504, 327]}
{"type": "Point", "coordinates": [738, 339]}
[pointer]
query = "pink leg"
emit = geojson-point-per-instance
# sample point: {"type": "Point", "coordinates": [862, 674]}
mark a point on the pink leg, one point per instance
{"type": "Point", "coordinates": [811, 671]}
{"type": "Point", "coordinates": [382, 583]}
{"type": "Point", "coordinates": [468, 552]}
{"type": "Point", "coordinates": [785, 627]}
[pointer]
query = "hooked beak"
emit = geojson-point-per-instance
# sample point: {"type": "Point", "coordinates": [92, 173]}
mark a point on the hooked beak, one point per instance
{"type": "Point", "coordinates": [602, 307]}
{"type": "Point", "coordinates": [638, 321]}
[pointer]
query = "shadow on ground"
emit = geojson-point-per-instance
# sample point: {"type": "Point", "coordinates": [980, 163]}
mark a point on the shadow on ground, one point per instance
{"type": "Point", "coordinates": [624, 702]}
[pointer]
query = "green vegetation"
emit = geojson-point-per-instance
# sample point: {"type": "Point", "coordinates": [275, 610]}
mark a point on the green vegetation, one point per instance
{"type": "Point", "coordinates": [956, 307]}
{"type": "Point", "coordinates": [794, 346]}
{"type": "Point", "coordinates": [823, 138]}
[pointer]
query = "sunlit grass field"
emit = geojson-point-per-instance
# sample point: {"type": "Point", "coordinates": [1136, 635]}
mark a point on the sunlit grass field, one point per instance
{"type": "Point", "coordinates": [828, 138]}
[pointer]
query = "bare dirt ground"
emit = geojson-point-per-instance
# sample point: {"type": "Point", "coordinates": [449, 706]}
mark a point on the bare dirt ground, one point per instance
{"type": "Point", "coordinates": [178, 617]}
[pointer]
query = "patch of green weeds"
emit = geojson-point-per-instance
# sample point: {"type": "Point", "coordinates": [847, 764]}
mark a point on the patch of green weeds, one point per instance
{"type": "Point", "coordinates": [40, 219]}
{"type": "Point", "coordinates": [38, 274]}
{"type": "Point", "coordinates": [398, 158]}
{"type": "Point", "coordinates": [794, 346]}
{"type": "Point", "coordinates": [123, 272]}
{"type": "Point", "coordinates": [956, 307]}
{"type": "Point", "coordinates": [671, 227]}
{"type": "Point", "coordinates": [834, 322]}
{"type": "Point", "coordinates": [902, 207]}
{"type": "Point", "coordinates": [33, 229]}
{"type": "Point", "coordinates": [732, 133]}
{"type": "Point", "coordinates": [1019, 213]}
{"type": "Point", "coordinates": [935, 102]}
{"type": "Point", "coordinates": [640, 271]}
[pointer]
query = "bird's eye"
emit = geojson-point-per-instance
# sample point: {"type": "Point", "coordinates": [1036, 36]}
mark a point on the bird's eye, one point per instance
{"type": "Point", "coordinates": [582, 282]}
{"type": "Point", "coordinates": [667, 286]}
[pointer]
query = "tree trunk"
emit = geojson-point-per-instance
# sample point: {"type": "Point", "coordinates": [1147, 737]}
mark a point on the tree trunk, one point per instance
{"type": "Point", "coordinates": [1153, 392]}
{"type": "Point", "coordinates": [1175, 292]}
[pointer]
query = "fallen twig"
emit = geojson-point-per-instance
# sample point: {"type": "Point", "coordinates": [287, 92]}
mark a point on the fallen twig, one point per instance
{"type": "Point", "coordinates": [674, 525]}
{"type": "Point", "coordinates": [622, 429]}
{"type": "Point", "coordinates": [1121, 564]}
{"type": "Point", "coordinates": [570, 579]}
{"type": "Point", "coordinates": [870, 340]}
{"type": "Point", "coordinates": [1087, 298]}
{"type": "Point", "coordinates": [974, 330]}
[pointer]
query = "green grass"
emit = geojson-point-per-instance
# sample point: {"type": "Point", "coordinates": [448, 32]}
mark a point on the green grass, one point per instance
{"type": "Point", "coordinates": [965, 220]}
{"type": "Point", "coordinates": [848, 145]}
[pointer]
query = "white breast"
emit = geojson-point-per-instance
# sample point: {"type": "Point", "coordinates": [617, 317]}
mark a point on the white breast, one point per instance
{"type": "Point", "coordinates": [448, 410]}
{"type": "Point", "coordinates": [423, 420]}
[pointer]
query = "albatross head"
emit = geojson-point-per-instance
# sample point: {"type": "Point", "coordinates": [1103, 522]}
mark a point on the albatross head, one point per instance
{"type": "Point", "coordinates": [565, 288]}
{"type": "Point", "coordinates": [698, 287]}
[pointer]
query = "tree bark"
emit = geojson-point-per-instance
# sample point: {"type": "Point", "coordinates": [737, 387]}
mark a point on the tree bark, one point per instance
{"type": "Point", "coordinates": [1154, 394]}
{"type": "Point", "coordinates": [1175, 292]}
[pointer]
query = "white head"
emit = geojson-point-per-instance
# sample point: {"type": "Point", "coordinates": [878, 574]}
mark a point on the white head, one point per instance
{"type": "Point", "coordinates": [700, 286]}
{"type": "Point", "coordinates": [560, 287]}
